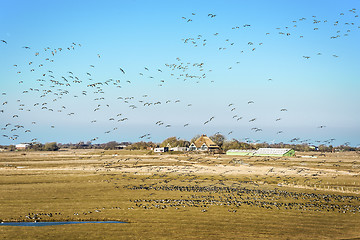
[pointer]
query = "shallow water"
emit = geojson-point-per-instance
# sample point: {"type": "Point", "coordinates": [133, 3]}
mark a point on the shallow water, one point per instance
{"type": "Point", "coordinates": [40, 224]}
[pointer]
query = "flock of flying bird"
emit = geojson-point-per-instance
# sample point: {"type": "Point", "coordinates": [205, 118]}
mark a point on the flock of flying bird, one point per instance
{"type": "Point", "coordinates": [51, 86]}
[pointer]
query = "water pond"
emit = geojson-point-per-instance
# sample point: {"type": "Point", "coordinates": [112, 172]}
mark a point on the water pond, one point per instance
{"type": "Point", "coordinates": [41, 224]}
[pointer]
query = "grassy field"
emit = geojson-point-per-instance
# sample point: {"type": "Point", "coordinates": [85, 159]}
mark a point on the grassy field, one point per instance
{"type": "Point", "coordinates": [183, 196]}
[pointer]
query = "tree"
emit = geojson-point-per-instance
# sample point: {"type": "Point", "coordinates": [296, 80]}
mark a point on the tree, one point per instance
{"type": "Point", "coordinates": [235, 144]}
{"type": "Point", "coordinates": [111, 145]}
{"type": "Point", "coordinates": [175, 142]}
{"type": "Point", "coordinates": [183, 143]}
{"type": "Point", "coordinates": [37, 147]}
{"type": "Point", "coordinates": [171, 140]}
{"type": "Point", "coordinates": [218, 139]}
{"type": "Point", "coordinates": [51, 146]}
{"type": "Point", "coordinates": [12, 148]}
{"type": "Point", "coordinates": [141, 145]}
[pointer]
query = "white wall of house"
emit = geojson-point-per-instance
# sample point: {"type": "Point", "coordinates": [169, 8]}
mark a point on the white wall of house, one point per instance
{"type": "Point", "coordinates": [159, 150]}
{"type": "Point", "coordinates": [192, 147]}
{"type": "Point", "coordinates": [179, 149]}
{"type": "Point", "coordinates": [203, 147]}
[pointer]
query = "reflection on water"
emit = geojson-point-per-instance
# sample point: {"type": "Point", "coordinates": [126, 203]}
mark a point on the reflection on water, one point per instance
{"type": "Point", "coordinates": [40, 224]}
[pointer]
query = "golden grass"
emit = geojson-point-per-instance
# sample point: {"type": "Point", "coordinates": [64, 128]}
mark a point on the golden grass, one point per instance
{"type": "Point", "coordinates": [98, 185]}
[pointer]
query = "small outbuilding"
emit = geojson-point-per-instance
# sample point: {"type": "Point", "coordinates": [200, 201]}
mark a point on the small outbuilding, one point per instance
{"type": "Point", "coordinates": [22, 146]}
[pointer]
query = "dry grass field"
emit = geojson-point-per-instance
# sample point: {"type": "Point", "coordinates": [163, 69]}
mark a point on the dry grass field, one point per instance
{"type": "Point", "coordinates": [180, 196]}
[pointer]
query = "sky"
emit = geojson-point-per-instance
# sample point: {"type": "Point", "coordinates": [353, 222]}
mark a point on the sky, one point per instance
{"type": "Point", "coordinates": [136, 70]}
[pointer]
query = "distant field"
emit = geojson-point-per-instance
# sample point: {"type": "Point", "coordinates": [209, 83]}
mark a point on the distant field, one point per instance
{"type": "Point", "coordinates": [183, 196]}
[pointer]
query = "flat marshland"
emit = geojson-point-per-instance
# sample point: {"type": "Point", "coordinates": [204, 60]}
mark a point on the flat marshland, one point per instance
{"type": "Point", "coordinates": [180, 196]}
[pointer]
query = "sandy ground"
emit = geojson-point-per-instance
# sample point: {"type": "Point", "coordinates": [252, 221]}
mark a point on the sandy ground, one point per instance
{"type": "Point", "coordinates": [131, 165]}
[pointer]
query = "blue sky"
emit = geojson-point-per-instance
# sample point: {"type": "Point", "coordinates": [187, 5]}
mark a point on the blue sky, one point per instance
{"type": "Point", "coordinates": [296, 55]}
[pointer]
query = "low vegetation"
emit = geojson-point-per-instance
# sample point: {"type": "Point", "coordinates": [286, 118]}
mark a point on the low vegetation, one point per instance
{"type": "Point", "coordinates": [180, 196]}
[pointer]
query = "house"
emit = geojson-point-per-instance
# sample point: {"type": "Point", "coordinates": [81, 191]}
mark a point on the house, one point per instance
{"type": "Point", "coordinates": [315, 148]}
{"type": "Point", "coordinates": [204, 143]}
{"type": "Point", "coordinates": [22, 146]}
{"type": "Point", "coordinates": [276, 152]}
{"type": "Point", "coordinates": [176, 149]}
{"type": "Point", "coordinates": [163, 149]}
{"type": "Point", "coordinates": [179, 149]}
{"type": "Point", "coordinates": [121, 146]}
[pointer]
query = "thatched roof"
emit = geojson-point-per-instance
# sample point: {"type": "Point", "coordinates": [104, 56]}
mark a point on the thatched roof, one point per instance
{"type": "Point", "coordinates": [204, 139]}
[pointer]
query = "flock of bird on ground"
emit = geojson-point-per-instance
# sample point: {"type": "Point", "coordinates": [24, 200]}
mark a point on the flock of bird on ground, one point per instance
{"type": "Point", "coordinates": [51, 86]}
{"type": "Point", "coordinates": [233, 198]}
{"type": "Point", "coordinates": [236, 197]}
{"type": "Point", "coordinates": [221, 190]}
{"type": "Point", "coordinates": [199, 193]}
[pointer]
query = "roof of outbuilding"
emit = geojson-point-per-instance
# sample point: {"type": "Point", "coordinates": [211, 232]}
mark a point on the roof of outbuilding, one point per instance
{"type": "Point", "coordinates": [261, 151]}
{"type": "Point", "coordinates": [275, 151]}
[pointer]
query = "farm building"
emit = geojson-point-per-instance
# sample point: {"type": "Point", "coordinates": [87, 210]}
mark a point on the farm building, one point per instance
{"type": "Point", "coordinates": [276, 152]}
{"type": "Point", "coordinates": [163, 149]}
{"type": "Point", "coordinates": [179, 149]}
{"type": "Point", "coordinates": [22, 146]}
{"type": "Point", "coordinates": [203, 143]}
